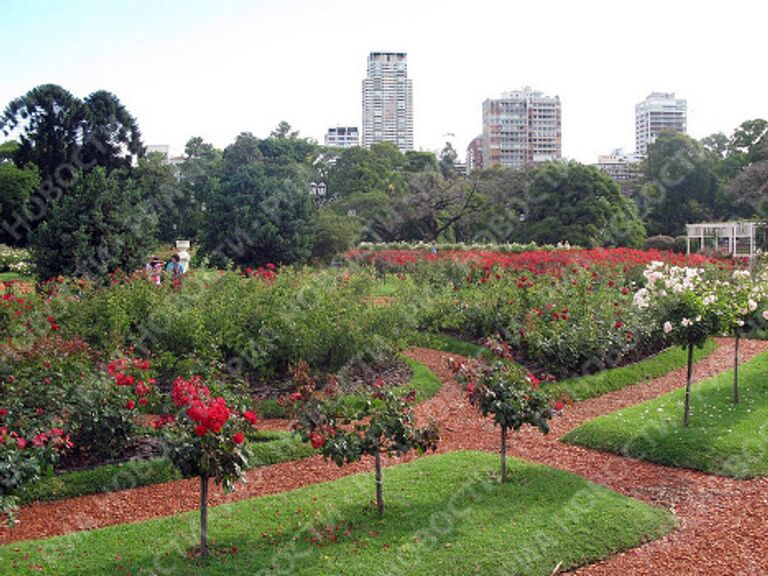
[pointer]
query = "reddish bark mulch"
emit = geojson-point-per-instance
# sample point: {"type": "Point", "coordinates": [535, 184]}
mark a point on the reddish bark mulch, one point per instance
{"type": "Point", "coordinates": [721, 528]}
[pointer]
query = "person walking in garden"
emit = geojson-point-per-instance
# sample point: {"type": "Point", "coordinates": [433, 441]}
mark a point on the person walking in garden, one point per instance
{"type": "Point", "coordinates": [154, 269]}
{"type": "Point", "coordinates": [175, 267]}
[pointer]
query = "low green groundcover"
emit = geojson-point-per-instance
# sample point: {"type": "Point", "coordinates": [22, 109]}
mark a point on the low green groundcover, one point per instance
{"type": "Point", "coordinates": [445, 515]}
{"type": "Point", "coordinates": [272, 447]}
{"type": "Point", "coordinates": [723, 438]}
{"type": "Point", "coordinates": [592, 385]}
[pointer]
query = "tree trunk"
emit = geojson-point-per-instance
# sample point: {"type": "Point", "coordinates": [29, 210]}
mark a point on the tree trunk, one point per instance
{"type": "Point", "coordinates": [204, 516]}
{"type": "Point", "coordinates": [379, 493]}
{"type": "Point", "coordinates": [688, 387]}
{"type": "Point", "coordinates": [503, 454]}
{"type": "Point", "coordinates": [736, 367]}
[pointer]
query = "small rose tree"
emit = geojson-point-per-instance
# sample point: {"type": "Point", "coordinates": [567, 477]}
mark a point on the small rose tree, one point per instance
{"type": "Point", "coordinates": [746, 296]}
{"type": "Point", "coordinates": [205, 438]}
{"type": "Point", "coordinates": [508, 393]}
{"type": "Point", "coordinates": [346, 428]}
{"type": "Point", "coordinates": [689, 306]}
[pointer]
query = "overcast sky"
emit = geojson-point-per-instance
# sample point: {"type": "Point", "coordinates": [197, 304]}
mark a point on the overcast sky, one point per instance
{"type": "Point", "coordinates": [216, 68]}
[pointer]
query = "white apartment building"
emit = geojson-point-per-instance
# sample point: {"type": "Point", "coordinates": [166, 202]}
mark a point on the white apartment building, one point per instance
{"type": "Point", "coordinates": [521, 128]}
{"type": "Point", "coordinates": [388, 101]}
{"type": "Point", "coordinates": [658, 112]}
{"type": "Point", "coordinates": [342, 137]}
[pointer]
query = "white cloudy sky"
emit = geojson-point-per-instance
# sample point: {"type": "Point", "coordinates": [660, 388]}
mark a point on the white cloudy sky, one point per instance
{"type": "Point", "coordinates": [215, 69]}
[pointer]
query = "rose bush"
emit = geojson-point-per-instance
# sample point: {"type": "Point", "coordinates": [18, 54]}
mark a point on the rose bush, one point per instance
{"type": "Point", "coordinates": [345, 428]}
{"type": "Point", "coordinates": [205, 438]}
{"type": "Point", "coordinates": [513, 397]}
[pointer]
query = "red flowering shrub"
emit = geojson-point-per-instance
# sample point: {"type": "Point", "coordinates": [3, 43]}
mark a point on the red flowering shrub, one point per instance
{"type": "Point", "coordinates": [206, 439]}
{"type": "Point", "coordinates": [23, 457]}
{"type": "Point", "coordinates": [511, 396]}
{"type": "Point", "coordinates": [344, 430]}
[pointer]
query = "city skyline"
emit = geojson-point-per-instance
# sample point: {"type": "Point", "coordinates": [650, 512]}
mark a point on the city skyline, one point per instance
{"type": "Point", "coordinates": [188, 69]}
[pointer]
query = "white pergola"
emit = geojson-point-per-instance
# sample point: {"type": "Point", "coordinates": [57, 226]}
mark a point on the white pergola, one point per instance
{"type": "Point", "coordinates": [739, 239]}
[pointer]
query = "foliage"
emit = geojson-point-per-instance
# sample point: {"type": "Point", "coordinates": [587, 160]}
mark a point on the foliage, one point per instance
{"type": "Point", "coordinates": [593, 385]}
{"type": "Point", "coordinates": [267, 448]}
{"type": "Point", "coordinates": [100, 225]}
{"type": "Point", "coordinates": [681, 184]}
{"type": "Point", "coordinates": [328, 529]}
{"type": "Point", "coordinates": [345, 431]}
{"type": "Point", "coordinates": [262, 210]}
{"type": "Point", "coordinates": [333, 235]}
{"type": "Point", "coordinates": [206, 438]}
{"type": "Point", "coordinates": [581, 205]}
{"type": "Point", "coordinates": [687, 304]}
{"type": "Point", "coordinates": [507, 393]}
{"type": "Point", "coordinates": [17, 185]}
{"type": "Point", "coordinates": [23, 457]}
{"type": "Point", "coordinates": [60, 131]}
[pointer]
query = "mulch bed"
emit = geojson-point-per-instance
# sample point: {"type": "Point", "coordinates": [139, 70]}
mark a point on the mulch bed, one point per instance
{"type": "Point", "coordinates": [721, 521]}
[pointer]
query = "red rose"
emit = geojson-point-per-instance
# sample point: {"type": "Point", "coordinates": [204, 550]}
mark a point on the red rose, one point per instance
{"type": "Point", "coordinates": [130, 404]}
{"type": "Point", "coordinates": [143, 401]}
{"type": "Point", "coordinates": [251, 417]}
{"type": "Point", "coordinates": [619, 323]}
{"type": "Point", "coordinates": [559, 405]}
{"type": "Point", "coordinates": [200, 430]}
{"type": "Point", "coordinates": [316, 440]}
{"type": "Point", "coordinates": [3, 412]}
{"type": "Point", "coordinates": [238, 437]}
{"type": "Point", "coordinates": [296, 396]}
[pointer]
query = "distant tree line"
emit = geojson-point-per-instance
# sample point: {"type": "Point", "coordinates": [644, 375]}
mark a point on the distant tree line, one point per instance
{"type": "Point", "coordinates": [77, 188]}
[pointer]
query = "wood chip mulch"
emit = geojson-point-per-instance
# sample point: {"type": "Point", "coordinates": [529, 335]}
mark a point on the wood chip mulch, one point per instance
{"type": "Point", "coordinates": [721, 528]}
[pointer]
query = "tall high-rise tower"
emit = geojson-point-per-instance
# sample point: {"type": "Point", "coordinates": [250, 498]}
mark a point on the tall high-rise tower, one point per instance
{"type": "Point", "coordinates": [658, 112]}
{"type": "Point", "coordinates": [388, 101]}
{"type": "Point", "coordinates": [521, 128]}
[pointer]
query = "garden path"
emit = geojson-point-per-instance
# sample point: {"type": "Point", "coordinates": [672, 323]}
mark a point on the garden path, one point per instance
{"type": "Point", "coordinates": [721, 521]}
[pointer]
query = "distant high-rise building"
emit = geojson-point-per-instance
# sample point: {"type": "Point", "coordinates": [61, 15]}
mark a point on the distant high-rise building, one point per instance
{"type": "Point", "coordinates": [475, 154]}
{"type": "Point", "coordinates": [619, 165]}
{"type": "Point", "coordinates": [521, 128]}
{"type": "Point", "coordinates": [342, 137]}
{"type": "Point", "coordinates": [658, 112]}
{"type": "Point", "coordinates": [388, 101]}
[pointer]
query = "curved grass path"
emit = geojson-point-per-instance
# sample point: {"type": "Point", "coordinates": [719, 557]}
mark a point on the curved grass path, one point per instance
{"type": "Point", "coordinates": [721, 531]}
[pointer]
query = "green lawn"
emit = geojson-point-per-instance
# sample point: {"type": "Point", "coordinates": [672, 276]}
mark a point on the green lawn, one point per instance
{"type": "Point", "coordinates": [593, 385]}
{"type": "Point", "coordinates": [272, 447]}
{"type": "Point", "coordinates": [5, 276]}
{"type": "Point", "coordinates": [722, 438]}
{"type": "Point", "coordinates": [423, 381]}
{"type": "Point", "coordinates": [388, 286]}
{"type": "Point", "coordinates": [455, 345]}
{"type": "Point", "coordinates": [446, 515]}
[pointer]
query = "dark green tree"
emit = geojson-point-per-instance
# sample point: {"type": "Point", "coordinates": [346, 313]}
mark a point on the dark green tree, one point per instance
{"type": "Point", "coordinates": [581, 205]}
{"type": "Point", "coordinates": [159, 186]}
{"type": "Point", "coordinates": [102, 224]}
{"type": "Point", "coordinates": [448, 158]}
{"type": "Point", "coordinates": [262, 212]}
{"type": "Point", "coordinates": [333, 234]}
{"type": "Point", "coordinates": [111, 136]}
{"type": "Point", "coordinates": [681, 184]}
{"type": "Point", "coordinates": [50, 123]}
{"type": "Point", "coordinates": [16, 187]}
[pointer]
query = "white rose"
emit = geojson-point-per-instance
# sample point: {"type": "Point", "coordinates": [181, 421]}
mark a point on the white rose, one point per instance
{"type": "Point", "coordinates": [668, 324]}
